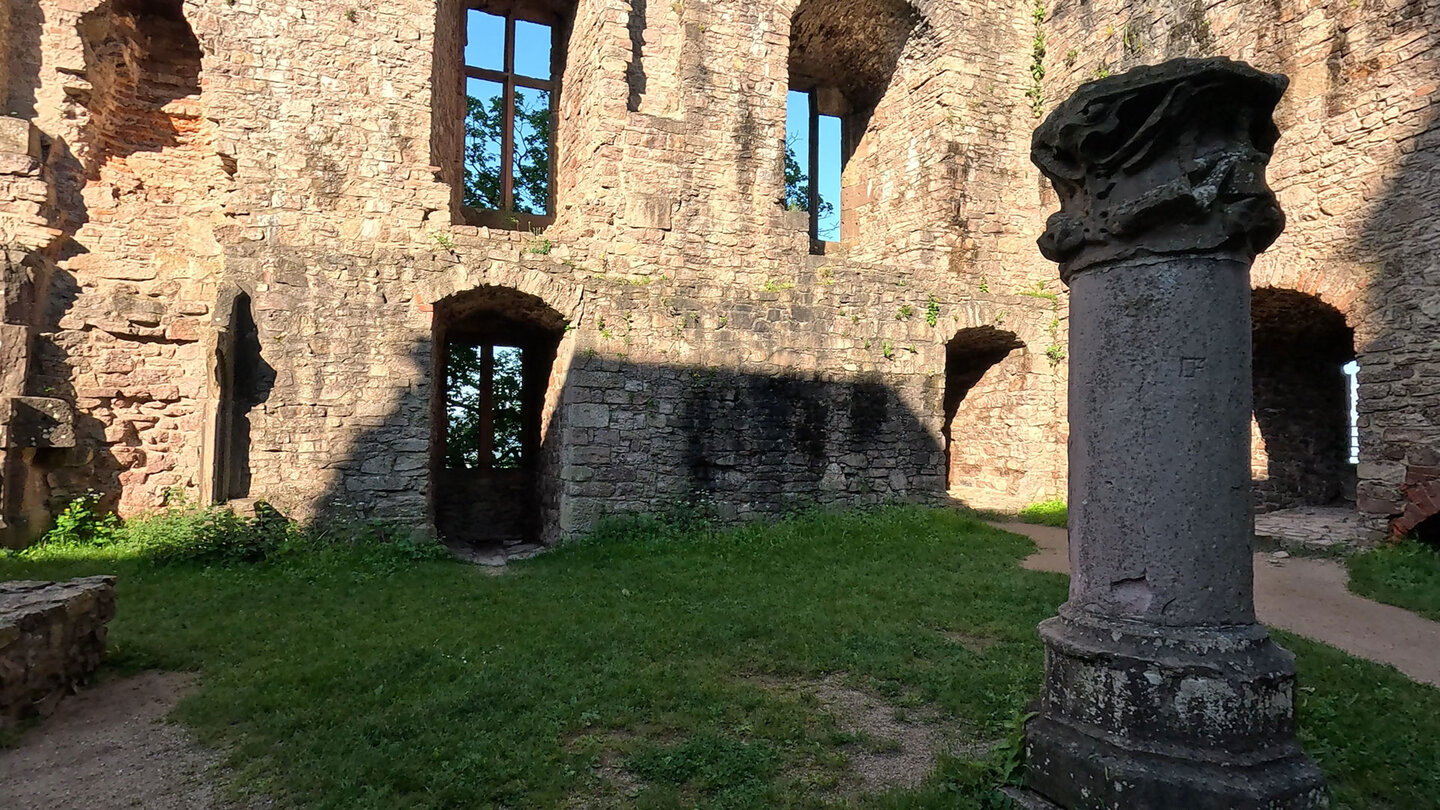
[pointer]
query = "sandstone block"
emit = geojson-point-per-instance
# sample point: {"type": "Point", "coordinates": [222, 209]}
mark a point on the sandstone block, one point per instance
{"type": "Point", "coordinates": [52, 637]}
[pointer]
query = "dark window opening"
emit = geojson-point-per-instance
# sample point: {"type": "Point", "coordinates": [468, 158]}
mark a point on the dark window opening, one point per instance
{"type": "Point", "coordinates": [511, 95]}
{"type": "Point", "coordinates": [1304, 401]}
{"type": "Point", "coordinates": [245, 381]}
{"type": "Point", "coordinates": [1428, 532]}
{"type": "Point", "coordinates": [814, 160]}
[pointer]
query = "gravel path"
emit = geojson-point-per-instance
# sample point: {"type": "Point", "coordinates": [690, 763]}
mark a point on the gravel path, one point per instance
{"type": "Point", "coordinates": [110, 747]}
{"type": "Point", "coordinates": [1305, 596]}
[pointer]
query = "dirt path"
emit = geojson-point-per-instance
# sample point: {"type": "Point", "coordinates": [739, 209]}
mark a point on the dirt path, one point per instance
{"type": "Point", "coordinates": [1305, 596]}
{"type": "Point", "coordinates": [110, 747]}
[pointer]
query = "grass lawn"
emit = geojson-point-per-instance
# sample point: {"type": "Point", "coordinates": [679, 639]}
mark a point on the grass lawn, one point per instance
{"type": "Point", "coordinates": [1406, 575]}
{"type": "Point", "coordinates": [638, 669]}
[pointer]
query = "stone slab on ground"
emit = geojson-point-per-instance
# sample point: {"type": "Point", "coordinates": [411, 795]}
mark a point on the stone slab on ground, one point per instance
{"type": "Point", "coordinates": [1326, 530]}
{"type": "Point", "coordinates": [52, 637]}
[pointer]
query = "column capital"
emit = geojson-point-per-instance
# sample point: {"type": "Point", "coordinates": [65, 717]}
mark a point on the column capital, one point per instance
{"type": "Point", "coordinates": [1162, 160]}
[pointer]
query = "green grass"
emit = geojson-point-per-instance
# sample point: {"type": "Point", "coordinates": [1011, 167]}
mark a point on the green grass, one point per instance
{"type": "Point", "coordinates": [631, 670]}
{"type": "Point", "coordinates": [1046, 513]}
{"type": "Point", "coordinates": [1406, 575]}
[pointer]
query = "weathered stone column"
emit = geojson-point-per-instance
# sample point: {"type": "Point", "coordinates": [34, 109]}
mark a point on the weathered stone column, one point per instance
{"type": "Point", "coordinates": [1161, 691]}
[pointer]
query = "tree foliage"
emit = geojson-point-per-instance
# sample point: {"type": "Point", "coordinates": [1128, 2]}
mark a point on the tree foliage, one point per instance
{"type": "Point", "coordinates": [484, 131]}
{"type": "Point", "coordinates": [464, 381]}
{"type": "Point", "coordinates": [797, 184]}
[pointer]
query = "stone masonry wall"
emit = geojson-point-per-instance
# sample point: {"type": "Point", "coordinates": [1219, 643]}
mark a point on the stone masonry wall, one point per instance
{"type": "Point", "coordinates": [302, 161]}
{"type": "Point", "coordinates": [304, 155]}
{"type": "Point", "coordinates": [1355, 170]}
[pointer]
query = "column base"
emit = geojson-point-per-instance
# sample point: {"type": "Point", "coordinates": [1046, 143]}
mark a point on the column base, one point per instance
{"type": "Point", "coordinates": [1137, 717]}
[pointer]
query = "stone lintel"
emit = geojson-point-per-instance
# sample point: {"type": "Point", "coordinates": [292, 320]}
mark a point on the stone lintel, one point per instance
{"type": "Point", "coordinates": [1162, 160]}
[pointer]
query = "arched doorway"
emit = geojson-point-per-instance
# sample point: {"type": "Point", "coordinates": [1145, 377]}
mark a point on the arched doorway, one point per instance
{"type": "Point", "coordinates": [983, 365]}
{"type": "Point", "coordinates": [1301, 453]}
{"type": "Point", "coordinates": [494, 353]}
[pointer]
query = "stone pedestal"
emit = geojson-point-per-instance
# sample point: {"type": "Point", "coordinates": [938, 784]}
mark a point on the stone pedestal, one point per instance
{"type": "Point", "coordinates": [1161, 690]}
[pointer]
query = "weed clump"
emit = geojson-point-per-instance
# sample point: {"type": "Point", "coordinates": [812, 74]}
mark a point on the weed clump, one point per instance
{"type": "Point", "coordinates": [182, 532]}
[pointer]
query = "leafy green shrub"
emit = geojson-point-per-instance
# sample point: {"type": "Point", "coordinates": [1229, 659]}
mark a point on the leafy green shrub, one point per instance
{"type": "Point", "coordinates": [216, 534]}
{"type": "Point", "coordinates": [1047, 513]}
{"type": "Point", "coordinates": [213, 535]}
{"type": "Point", "coordinates": [82, 523]}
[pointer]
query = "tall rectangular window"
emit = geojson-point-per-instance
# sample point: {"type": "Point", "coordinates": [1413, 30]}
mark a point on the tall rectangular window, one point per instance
{"type": "Point", "coordinates": [813, 163]}
{"type": "Point", "coordinates": [510, 103]}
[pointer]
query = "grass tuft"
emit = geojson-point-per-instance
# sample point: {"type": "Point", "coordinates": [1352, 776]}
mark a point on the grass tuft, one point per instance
{"type": "Point", "coordinates": [1046, 513]}
{"type": "Point", "coordinates": [1405, 575]}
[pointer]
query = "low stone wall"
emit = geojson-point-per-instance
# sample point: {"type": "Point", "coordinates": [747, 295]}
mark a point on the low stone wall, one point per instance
{"type": "Point", "coordinates": [52, 636]}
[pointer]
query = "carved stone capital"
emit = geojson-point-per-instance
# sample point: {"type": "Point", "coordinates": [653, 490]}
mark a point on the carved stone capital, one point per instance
{"type": "Point", "coordinates": [1162, 160]}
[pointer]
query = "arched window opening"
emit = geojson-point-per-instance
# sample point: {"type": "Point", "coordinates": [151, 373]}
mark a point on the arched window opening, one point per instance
{"type": "Point", "coordinates": [1305, 410]}
{"type": "Point", "coordinates": [981, 366]}
{"type": "Point", "coordinates": [507, 63]}
{"type": "Point", "coordinates": [497, 348]}
{"type": "Point", "coordinates": [841, 63]}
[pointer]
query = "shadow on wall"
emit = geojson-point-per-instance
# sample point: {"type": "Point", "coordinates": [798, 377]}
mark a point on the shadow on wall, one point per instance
{"type": "Point", "coordinates": [27, 19]}
{"type": "Point", "coordinates": [652, 438]}
{"type": "Point", "coordinates": [1399, 400]}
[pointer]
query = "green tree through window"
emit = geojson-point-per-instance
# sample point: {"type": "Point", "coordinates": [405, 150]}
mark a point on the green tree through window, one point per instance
{"type": "Point", "coordinates": [797, 184]}
{"type": "Point", "coordinates": [470, 397]}
{"type": "Point", "coordinates": [509, 137]}
{"type": "Point", "coordinates": [484, 126]}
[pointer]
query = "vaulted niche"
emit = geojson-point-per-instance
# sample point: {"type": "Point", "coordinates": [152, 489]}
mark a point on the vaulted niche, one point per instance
{"type": "Point", "coordinates": [495, 349]}
{"type": "Point", "coordinates": [982, 366]}
{"type": "Point", "coordinates": [842, 57]}
{"type": "Point", "coordinates": [1301, 453]}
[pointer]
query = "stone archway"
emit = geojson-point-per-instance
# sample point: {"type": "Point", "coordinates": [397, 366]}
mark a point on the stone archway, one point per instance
{"type": "Point", "coordinates": [1300, 451]}
{"type": "Point", "coordinates": [495, 351]}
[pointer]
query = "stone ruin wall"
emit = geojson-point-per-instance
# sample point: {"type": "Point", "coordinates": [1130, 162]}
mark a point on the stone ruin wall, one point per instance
{"type": "Point", "coordinates": [302, 164]}
{"type": "Point", "coordinates": [1356, 171]}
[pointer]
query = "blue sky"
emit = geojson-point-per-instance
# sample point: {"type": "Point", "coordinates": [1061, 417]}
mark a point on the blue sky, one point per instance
{"type": "Point", "coordinates": [797, 133]}
{"type": "Point", "coordinates": [485, 44]}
